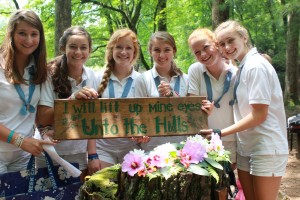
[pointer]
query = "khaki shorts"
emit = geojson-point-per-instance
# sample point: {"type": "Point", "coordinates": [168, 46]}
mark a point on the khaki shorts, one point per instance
{"type": "Point", "coordinates": [114, 156]}
{"type": "Point", "coordinates": [14, 161]}
{"type": "Point", "coordinates": [80, 158]}
{"type": "Point", "coordinates": [263, 165]}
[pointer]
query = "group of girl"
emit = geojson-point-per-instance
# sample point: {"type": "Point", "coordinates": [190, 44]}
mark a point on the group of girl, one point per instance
{"type": "Point", "coordinates": [245, 103]}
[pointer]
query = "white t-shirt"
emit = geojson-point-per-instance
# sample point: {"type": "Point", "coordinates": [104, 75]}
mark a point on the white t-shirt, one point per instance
{"type": "Point", "coordinates": [146, 87]}
{"type": "Point", "coordinates": [259, 84]}
{"type": "Point", "coordinates": [220, 117]}
{"type": "Point", "coordinates": [69, 147]}
{"type": "Point", "coordinates": [10, 105]}
{"type": "Point", "coordinates": [121, 144]}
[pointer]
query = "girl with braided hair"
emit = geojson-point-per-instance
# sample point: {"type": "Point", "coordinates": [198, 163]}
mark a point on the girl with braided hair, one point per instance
{"type": "Point", "coordinates": [118, 81]}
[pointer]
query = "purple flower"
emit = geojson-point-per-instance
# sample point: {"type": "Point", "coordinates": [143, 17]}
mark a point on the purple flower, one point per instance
{"type": "Point", "coordinates": [132, 163]}
{"type": "Point", "coordinates": [194, 151]}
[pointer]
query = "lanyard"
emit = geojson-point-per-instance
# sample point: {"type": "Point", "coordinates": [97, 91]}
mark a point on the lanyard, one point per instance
{"type": "Point", "coordinates": [26, 104]}
{"type": "Point", "coordinates": [125, 91]}
{"type": "Point", "coordinates": [176, 86]}
{"type": "Point", "coordinates": [236, 84]}
{"type": "Point", "coordinates": [209, 88]}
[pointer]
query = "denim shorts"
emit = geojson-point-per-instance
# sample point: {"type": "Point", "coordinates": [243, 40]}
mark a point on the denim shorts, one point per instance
{"type": "Point", "coordinates": [263, 165]}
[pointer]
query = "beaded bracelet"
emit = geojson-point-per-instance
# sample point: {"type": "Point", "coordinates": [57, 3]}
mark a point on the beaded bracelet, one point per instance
{"type": "Point", "coordinates": [19, 140]}
{"type": "Point", "coordinates": [93, 157]}
{"type": "Point", "coordinates": [10, 136]}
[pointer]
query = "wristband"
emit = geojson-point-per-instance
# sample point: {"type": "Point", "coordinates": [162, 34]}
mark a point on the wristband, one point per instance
{"type": "Point", "coordinates": [218, 131]}
{"type": "Point", "coordinates": [10, 136]}
{"type": "Point", "coordinates": [93, 157]}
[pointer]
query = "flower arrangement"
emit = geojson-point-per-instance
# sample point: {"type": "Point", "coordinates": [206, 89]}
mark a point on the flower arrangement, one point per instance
{"type": "Point", "coordinates": [197, 155]}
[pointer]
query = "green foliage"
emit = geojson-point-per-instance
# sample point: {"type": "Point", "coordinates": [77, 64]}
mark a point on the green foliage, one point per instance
{"type": "Point", "coordinates": [263, 19]}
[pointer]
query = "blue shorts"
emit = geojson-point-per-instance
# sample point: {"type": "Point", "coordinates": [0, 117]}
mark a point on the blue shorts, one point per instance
{"type": "Point", "coordinates": [263, 165]}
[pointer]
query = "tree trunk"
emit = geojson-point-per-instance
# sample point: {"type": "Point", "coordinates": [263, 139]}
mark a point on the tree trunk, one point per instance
{"type": "Point", "coordinates": [219, 12]}
{"type": "Point", "coordinates": [112, 183]}
{"type": "Point", "coordinates": [292, 49]}
{"type": "Point", "coordinates": [162, 20]}
{"type": "Point", "coordinates": [63, 20]}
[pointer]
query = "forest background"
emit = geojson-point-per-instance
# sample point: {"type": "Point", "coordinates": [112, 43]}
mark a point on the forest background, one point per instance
{"type": "Point", "coordinates": [274, 27]}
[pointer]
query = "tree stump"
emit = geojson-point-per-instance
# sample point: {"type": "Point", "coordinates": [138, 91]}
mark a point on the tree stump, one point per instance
{"type": "Point", "coordinates": [111, 183]}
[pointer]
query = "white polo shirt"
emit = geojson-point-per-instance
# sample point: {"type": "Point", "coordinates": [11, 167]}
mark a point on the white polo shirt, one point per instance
{"type": "Point", "coordinates": [10, 105]}
{"type": "Point", "coordinates": [68, 147]}
{"type": "Point", "coordinates": [259, 84]}
{"type": "Point", "coordinates": [146, 87]}
{"type": "Point", "coordinates": [120, 144]}
{"type": "Point", "coordinates": [220, 117]}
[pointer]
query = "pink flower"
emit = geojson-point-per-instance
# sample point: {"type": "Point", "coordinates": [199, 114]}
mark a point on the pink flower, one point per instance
{"type": "Point", "coordinates": [132, 163]}
{"type": "Point", "coordinates": [156, 159]}
{"type": "Point", "coordinates": [194, 151]}
{"type": "Point", "coordinates": [216, 143]}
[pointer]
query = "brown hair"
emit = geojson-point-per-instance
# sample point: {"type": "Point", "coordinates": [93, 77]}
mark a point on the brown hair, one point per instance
{"type": "Point", "coordinates": [7, 49]}
{"type": "Point", "coordinates": [109, 60]}
{"type": "Point", "coordinates": [59, 67]}
{"type": "Point", "coordinates": [168, 38]}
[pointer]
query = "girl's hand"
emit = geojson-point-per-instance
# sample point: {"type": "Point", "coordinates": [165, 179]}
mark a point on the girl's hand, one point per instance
{"type": "Point", "coordinates": [143, 139]}
{"type": "Point", "coordinates": [164, 89]}
{"type": "Point", "coordinates": [34, 146]}
{"type": "Point", "coordinates": [93, 166]}
{"type": "Point", "coordinates": [86, 93]}
{"type": "Point", "coordinates": [207, 106]}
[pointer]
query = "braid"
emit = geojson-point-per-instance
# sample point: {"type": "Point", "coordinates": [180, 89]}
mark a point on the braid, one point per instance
{"type": "Point", "coordinates": [105, 79]}
{"type": "Point", "coordinates": [61, 83]}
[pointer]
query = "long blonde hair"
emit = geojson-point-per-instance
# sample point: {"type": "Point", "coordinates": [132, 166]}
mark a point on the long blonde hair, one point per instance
{"type": "Point", "coordinates": [109, 60]}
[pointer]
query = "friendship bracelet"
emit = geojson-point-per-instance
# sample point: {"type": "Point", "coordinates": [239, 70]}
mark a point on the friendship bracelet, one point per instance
{"type": "Point", "coordinates": [19, 140]}
{"type": "Point", "coordinates": [93, 156]}
{"type": "Point", "coordinates": [218, 131]}
{"type": "Point", "coordinates": [10, 136]}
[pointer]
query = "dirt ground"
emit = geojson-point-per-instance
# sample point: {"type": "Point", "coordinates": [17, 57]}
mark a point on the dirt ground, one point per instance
{"type": "Point", "coordinates": [290, 184]}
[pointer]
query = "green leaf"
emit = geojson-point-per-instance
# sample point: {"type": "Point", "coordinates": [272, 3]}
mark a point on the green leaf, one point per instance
{"type": "Point", "coordinates": [165, 171]}
{"type": "Point", "coordinates": [214, 163]}
{"type": "Point", "coordinates": [196, 169]}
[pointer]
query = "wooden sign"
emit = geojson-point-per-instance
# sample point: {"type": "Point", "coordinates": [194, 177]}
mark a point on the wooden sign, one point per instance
{"type": "Point", "coordinates": [128, 117]}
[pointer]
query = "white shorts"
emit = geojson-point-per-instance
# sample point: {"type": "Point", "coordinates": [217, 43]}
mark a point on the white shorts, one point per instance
{"type": "Point", "coordinates": [156, 141]}
{"type": "Point", "coordinates": [80, 158]}
{"type": "Point", "coordinates": [114, 156]}
{"type": "Point", "coordinates": [14, 161]}
{"type": "Point", "coordinates": [263, 165]}
{"type": "Point", "coordinates": [231, 146]}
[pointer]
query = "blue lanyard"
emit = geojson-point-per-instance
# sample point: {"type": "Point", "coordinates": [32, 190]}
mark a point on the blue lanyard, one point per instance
{"type": "Point", "coordinates": [26, 104]}
{"type": "Point", "coordinates": [176, 86]}
{"type": "Point", "coordinates": [236, 84]}
{"type": "Point", "coordinates": [209, 88]}
{"type": "Point", "coordinates": [125, 91]}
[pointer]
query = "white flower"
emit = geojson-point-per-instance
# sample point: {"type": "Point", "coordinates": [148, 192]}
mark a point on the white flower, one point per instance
{"type": "Point", "coordinates": [63, 174]}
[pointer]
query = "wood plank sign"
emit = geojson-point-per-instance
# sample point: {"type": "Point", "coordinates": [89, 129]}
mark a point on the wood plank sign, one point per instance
{"type": "Point", "coordinates": [128, 117]}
